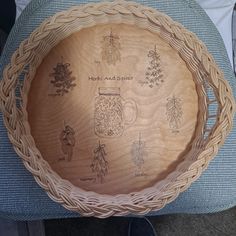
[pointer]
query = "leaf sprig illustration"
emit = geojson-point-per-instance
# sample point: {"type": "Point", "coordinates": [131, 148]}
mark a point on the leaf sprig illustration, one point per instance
{"type": "Point", "coordinates": [62, 78]}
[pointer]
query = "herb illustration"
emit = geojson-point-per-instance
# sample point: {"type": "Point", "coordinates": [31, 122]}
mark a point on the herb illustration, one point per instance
{"type": "Point", "coordinates": [174, 113]}
{"type": "Point", "coordinates": [67, 138]}
{"type": "Point", "coordinates": [62, 80]}
{"type": "Point", "coordinates": [99, 164]}
{"type": "Point", "coordinates": [154, 74]}
{"type": "Point", "coordinates": [138, 153]}
{"type": "Point", "coordinates": [111, 48]}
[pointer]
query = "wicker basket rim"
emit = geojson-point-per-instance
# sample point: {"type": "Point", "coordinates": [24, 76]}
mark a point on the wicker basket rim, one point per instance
{"type": "Point", "coordinates": [62, 191]}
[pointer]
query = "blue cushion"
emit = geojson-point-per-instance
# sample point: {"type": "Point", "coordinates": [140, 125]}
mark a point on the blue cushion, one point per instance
{"type": "Point", "coordinates": [20, 196]}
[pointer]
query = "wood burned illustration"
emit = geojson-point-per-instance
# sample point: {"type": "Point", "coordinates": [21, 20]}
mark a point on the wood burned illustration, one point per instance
{"type": "Point", "coordinates": [67, 139]}
{"type": "Point", "coordinates": [99, 164]}
{"type": "Point", "coordinates": [154, 74]}
{"type": "Point", "coordinates": [138, 153]}
{"type": "Point", "coordinates": [111, 48]}
{"type": "Point", "coordinates": [110, 118]}
{"type": "Point", "coordinates": [174, 113]}
{"type": "Point", "coordinates": [63, 81]}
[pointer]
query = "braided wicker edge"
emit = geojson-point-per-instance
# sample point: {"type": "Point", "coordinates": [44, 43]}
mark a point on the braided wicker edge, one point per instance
{"type": "Point", "coordinates": [62, 191]}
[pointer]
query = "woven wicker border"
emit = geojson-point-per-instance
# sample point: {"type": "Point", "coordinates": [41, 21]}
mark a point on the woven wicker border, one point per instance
{"type": "Point", "coordinates": [28, 57]}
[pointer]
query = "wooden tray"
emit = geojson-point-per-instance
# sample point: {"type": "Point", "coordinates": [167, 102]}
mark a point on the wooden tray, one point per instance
{"type": "Point", "coordinates": [120, 108]}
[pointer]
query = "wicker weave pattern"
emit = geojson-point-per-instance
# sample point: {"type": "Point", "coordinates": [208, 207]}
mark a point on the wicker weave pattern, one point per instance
{"type": "Point", "coordinates": [29, 56]}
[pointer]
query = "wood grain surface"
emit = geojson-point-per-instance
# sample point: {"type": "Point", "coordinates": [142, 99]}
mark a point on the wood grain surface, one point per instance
{"type": "Point", "coordinates": [112, 108]}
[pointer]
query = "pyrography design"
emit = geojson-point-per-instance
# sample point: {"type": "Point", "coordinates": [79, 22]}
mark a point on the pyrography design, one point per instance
{"type": "Point", "coordinates": [67, 139]}
{"type": "Point", "coordinates": [154, 74]}
{"type": "Point", "coordinates": [62, 80]}
{"type": "Point", "coordinates": [138, 153]}
{"type": "Point", "coordinates": [108, 113]}
{"type": "Point", "coordinates": [99, 164]}
{"type": "Point", "coordinates": [111, 48]}
{"type": "Point", "coordinates": [174, 113]}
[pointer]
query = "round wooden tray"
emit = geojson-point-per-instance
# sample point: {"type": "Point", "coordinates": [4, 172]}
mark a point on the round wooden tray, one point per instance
{"type": "Point", "coordinates": [115, 108]}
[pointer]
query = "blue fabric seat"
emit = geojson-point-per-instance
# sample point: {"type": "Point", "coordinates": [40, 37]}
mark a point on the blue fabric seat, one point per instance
{"type": "Point", "coordinates": [22, 199]}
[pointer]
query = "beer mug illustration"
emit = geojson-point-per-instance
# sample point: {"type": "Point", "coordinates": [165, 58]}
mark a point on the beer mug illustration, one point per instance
{"type": "Point", "coordinates": [113, 113]}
